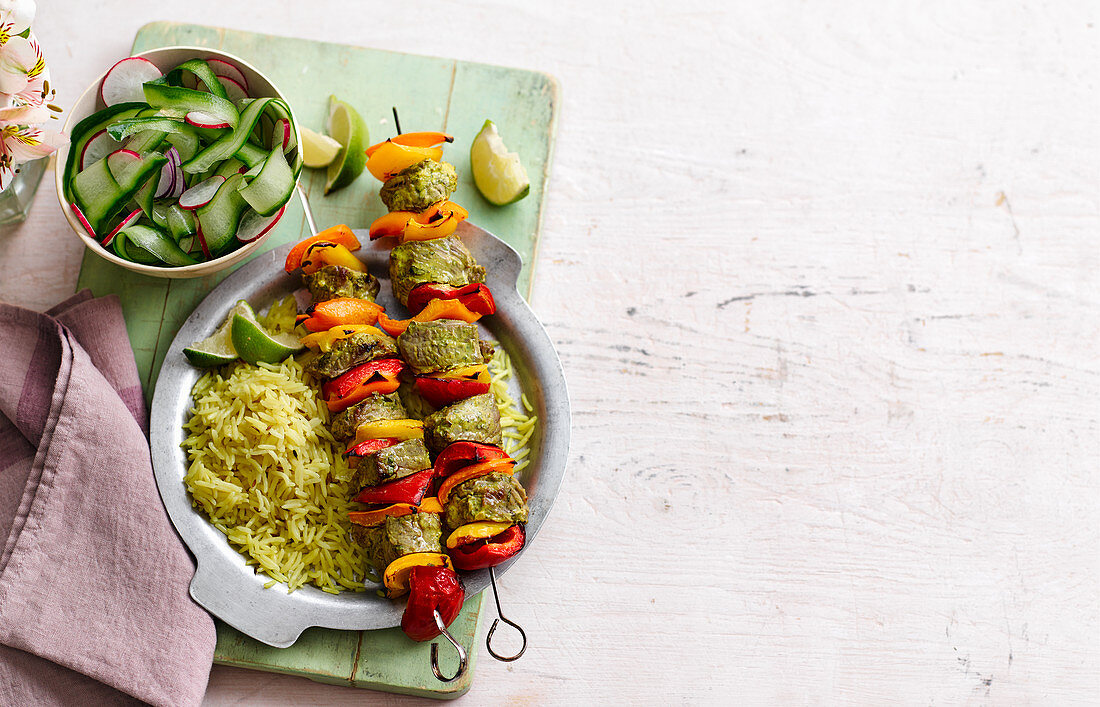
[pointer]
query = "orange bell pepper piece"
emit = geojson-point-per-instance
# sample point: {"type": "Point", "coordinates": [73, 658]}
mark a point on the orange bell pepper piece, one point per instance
{"type": "Point", "coordinates": [436, 309]}
{"type": "Point", "coordinates": [431, 504]}
{"type": "Point", "coordinates": [323, 253]}
{"type": "Point", "coordinates": [500, 466]}
{"type": "Point", "coordinates": [396, 576]}
{"type": "Point", "coordinates": [337, 234]}
{"type": "Point", "coordinates": [324, 340]}
{"type": "Point", "coordinates": [389, 158]}
{"type": "Point", "coordinates": [342, 310]}
{"type": "Point", "coordinates": [379, 515]}
{"type": "Point", "coordinates": [424, 139]}
{"type": "Point", "coordinates": [438, 220]}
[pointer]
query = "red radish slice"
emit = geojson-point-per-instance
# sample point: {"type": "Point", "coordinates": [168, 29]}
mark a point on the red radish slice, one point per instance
{"type": "Point", "coordinates": [99, 146]}
{"type": "Point", "coordinates": [119, 160]}
{"type": "Point", "coordinates": [253, 225]}
{"type": "Point", "coordinates": [123, 80]}
{"type": "Point", "coordinates": [167, 183]}
{"type": "Point", "coordinates": [221, 67]}
{"type": "Point", "coordinates": [205, 120]}
{"type": "Point", "coordinates": [128, 221]}
{"type": "Point", "coordinates": [233, 90]}
{"type": "Point", "coordinates": [202, 240]}
{"type": "Point", "coordinates": [83, 221]}
{"type": "Point", "coordinates": [201, 193]}
{"type": "Point", "coordinates": [181, 180]}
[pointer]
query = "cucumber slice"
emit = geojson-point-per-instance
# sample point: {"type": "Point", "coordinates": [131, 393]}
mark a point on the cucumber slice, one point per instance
{"type": "Point", "coordinates": [202, 71]}
{"type": "Point", "coordinates": [86, 130]}
{"type": "Point", "coordinates": [156, 243]}
{"type": "Point", "coordinates": [219, 219]}
{"type": "Point", "coordinates": [272, 187]}
{"type": "Point", "coordinates": [181, 101]}
{"type": "Point", "coordinates": [227, 145]}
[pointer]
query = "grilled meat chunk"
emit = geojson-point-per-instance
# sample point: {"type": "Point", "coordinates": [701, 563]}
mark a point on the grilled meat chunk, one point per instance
{"type": "Point", "coordinates": [443, 260]}
{"type": "Point", "coordinates": [348, 353]}
{"type": "Point", "coordinates": [334, 281]}
{"type": "Point", "coordinates": [399, 536]}
{"type": "Point", "coordinates": [442, 345]}
{"type": "Point", "coordinates": [495, 497]}
{"type": "Point", "coordinates": [474, 419]}
{"type": "Point", "coordinates": [418, 187]}
{"type": "Point", "coordinates": [392, 463]}
{"type": "Point", "coordinates": [375, 407]}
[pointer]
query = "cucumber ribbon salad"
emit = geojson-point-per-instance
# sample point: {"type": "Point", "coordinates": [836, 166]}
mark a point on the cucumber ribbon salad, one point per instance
{"type": "Point", "coordinates": [183, 166]}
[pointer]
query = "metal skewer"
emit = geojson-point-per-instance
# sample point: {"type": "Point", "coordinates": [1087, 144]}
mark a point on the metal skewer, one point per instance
{"type": "Point", "coordinates": [493, 628]}
{"type": "Point", "coordinates": [305, 207]}
{"type": "Point", "coordinates": [462, 659]}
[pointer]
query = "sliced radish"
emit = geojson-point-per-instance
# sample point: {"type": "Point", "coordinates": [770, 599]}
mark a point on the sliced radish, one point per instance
{"type": "Point", "coordinates": [128, 221]}
{"type": "Point", "coordinates": [120, 160]}
{"type": "Point", "coordinates": [187, 243]}
{"type": "Point", "coordinates": [167, 180]}
{"type": "Point", "coordinates": [220, 67]}
{"type": "Point", "coordinates": [253, 225]}
{"type": "Point", "coordinates": [202, 240]}
{"type": "Point", "coordinates": [123, 80]}
{"type": "Point", "coordinates": [233, 90]}
{"type": "Point", "coordinates": [99, 146]}
{"type": "Point", "coordinates": [201, 193]}
{"type": "Point", "coordinates": [181, 180]}
{"type": "Point", "coordinates": [83, 221]}
{"type": "Point", "coordinates": [205, 120]}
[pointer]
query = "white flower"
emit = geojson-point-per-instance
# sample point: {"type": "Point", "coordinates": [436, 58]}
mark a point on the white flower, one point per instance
{"type": "Point", "coordinates": [22, 68]}
{"type": "Point", "coordinates": [15, 16]}
{"type": "Point", "coordinates": [20, 143]}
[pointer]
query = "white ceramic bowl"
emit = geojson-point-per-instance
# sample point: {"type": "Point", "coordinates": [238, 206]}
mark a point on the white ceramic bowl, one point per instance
{"type": "Point", "coordinates": [166, 58]}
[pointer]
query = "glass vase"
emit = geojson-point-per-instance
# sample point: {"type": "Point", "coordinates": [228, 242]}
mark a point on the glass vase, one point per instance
{"type": "Point", "coordinates": [16, 199]}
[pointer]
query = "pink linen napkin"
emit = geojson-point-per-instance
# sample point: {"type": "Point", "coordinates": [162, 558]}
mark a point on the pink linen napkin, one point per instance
{"type": "Point", "coordinates": [94, 606]}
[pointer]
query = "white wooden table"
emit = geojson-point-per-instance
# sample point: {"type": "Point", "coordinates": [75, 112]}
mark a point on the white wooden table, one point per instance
{"type": "Point", "coordinates": [824, 283]}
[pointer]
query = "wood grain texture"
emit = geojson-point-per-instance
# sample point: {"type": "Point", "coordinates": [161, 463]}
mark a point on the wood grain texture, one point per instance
{"type": "Point", "coordinates": [823, 279]}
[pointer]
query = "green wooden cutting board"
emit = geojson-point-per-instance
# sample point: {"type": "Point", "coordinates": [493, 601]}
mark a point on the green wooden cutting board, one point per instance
{"type": "Point", "coordinates": [430, 94]}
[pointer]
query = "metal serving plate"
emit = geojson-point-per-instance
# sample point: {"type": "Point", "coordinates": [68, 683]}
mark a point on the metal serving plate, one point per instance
{"type": "Point", "coordinates": [228, 588]}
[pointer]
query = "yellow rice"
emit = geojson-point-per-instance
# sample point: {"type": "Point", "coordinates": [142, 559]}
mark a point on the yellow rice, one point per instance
{"type": "Point", "coordinates": [516, 425]}
{"type": "Point", "coordinates": [266, 471]}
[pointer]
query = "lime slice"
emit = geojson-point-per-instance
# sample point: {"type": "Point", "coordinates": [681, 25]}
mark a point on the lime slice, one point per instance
{"type": "Point", "coordinates": [498, 174]}
{"type": "Point", "coordinates": [318, 150]}
{"type": "Point", "coordinates": [217, 349]}
{"type": "Point", "coordinates": [346, 127]}
{"type": "Point", "coordinates": [255, 344]}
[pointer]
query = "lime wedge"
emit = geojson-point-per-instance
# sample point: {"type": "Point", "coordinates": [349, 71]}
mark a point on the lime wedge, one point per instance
{"type": "Point", "coordinates": [217, 349]}
{"type": "Point", "coordinates": [318, 150]}
{"type": "Point", "coordinates": [346, 127]}
{"type": "Point", "coordinates": [255, 344]}
{"type": "Point", "coordinates": [498, 174]}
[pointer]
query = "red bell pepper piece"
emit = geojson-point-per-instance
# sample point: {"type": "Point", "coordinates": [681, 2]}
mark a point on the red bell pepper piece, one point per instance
{"type": "Point", "coordinates": [490, 552]}
{"type": "Point", "coordinates": [410, 489]}
{"type": "Point", "coordinates": [461, 454]}
{"type": "Point", "coordinates": [444, 391]}
{"type": "Point", "coordinates": [476, 296]}
{"type": "Point", "coordinates": [385, 368]}
{"type": "Point", "coordinates": [431, 589]}
{"type": "Point", "coordinates": [371, 446]}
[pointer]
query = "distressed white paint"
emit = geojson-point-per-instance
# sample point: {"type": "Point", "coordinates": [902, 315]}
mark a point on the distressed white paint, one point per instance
{"type": "Point", "coordinates": [824, 283]}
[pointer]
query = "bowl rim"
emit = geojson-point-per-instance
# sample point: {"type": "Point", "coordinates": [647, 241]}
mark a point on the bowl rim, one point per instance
{"type": "Point", "coordinates": [185, 271]}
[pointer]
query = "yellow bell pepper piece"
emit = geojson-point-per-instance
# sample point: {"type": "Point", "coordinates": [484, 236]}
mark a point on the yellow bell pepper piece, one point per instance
{"type": "Point", "coordinates": [478, 373]}
{"type": "Point", "coordinates": [396, 576]}
{"type": "Point", "coordinates": [470, 532]}
{"type": "Point", "coordinates": [324, 340]}
{"type": "Point", "coordinates": [392, 429]}
{"type": "Point", "coordinates": [324, 253]}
